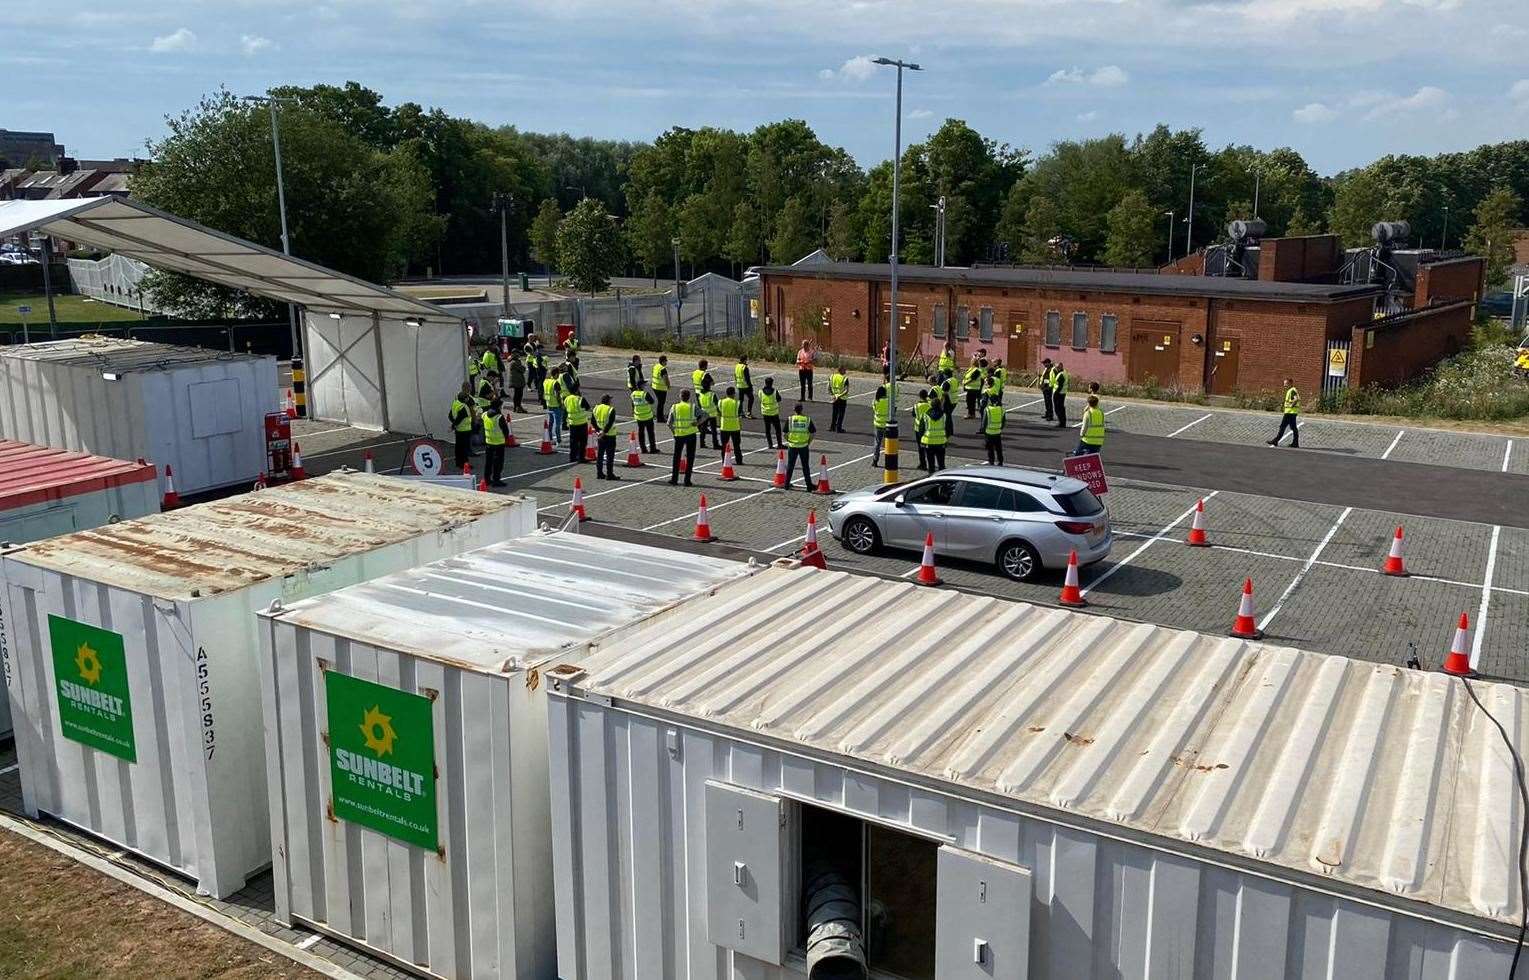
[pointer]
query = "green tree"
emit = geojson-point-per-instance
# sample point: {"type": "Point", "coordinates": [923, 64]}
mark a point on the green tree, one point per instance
{"type": "Point", "coordinates": [649, 233]}
{"type": "Point", "coordinates": [795, 232]}
{"type": "Point", "coordinates": [745, 237]}
{"type": "Point", "coordinates": [589, 246]}
{"type": "Point", "coordinates": [1359, 201]}
{"type": "Point", "coordinates": [1490, 235]}
{"type": "Point", "coordinates": [544, 233]}
{"type": "Point", "coordinates": [1043, 229]}
{"type": "Point", "coordinates": [1302, 224]}
{"type": "Point", "coordinates": [1133, 232]}
{"type": "Point", "coordinates": [844, 232]}
{"type": "Point", "coordinates": [350, 206]}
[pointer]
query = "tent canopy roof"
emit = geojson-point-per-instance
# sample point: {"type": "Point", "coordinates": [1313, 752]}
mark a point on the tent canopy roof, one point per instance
{"type": "Point", "coordinates": [165, 241]}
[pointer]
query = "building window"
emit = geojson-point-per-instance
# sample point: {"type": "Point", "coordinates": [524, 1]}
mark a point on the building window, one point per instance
{"type": "Point", "coordinates": [939, 319]}
{"type": "Point", "coordinates": [1053, 328]}
{"type": "Point", "coordinates": [985, 324]}
{"type": "Point", "coordinates": [891, 877]}
{"type": "Point", "coordinates": [1080, 330]}
{"type": "Point", "coordinates": [1108, 326]}
{"type": "Point", "coordinates": [963, 323]}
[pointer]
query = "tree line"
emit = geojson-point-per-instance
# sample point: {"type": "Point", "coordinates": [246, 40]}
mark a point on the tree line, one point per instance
{"type": "Point", "coordinates": [384, 191]}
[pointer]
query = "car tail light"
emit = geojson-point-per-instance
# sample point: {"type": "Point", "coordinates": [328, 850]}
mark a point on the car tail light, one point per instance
{"type": "Point", "coordinates": [1074, 527]}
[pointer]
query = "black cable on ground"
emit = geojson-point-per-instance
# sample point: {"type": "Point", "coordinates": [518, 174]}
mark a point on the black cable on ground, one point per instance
{"type": "Point", "coordinates": [1523, 839]}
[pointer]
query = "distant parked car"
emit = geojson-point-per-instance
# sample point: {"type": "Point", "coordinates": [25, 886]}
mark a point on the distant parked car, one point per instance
{"type": "Point", "coordinates": [1023, 521]}
{"type": "Point", "coordinates": [1497, 304]}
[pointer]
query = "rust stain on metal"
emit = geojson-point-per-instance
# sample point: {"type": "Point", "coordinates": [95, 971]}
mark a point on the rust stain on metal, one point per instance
{"type": "Point", "coordinates": [533, 679]}
{"type": "Point", "coordinates": [1077, 739]}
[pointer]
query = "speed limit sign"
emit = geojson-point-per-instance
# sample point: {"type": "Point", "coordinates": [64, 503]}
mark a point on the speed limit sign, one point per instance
{"type": "Point", "coordinates": [425, 458]}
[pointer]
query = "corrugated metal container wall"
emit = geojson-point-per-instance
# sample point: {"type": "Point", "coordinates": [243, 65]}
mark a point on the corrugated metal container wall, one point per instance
{"type": "Point", "coordinates": [1096, 798]}
{"type": "Point", "coordinates": [44, 492]}
{"type": "Point", "coordinates": [134, 648]}
{"type": "Point", "coordinates": [200, 411]}
{"type": "Point", "coordinates": [465, 888]}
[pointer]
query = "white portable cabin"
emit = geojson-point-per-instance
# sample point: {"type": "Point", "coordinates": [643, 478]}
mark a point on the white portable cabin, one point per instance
{"type": "Point", "coordinates": [132, 652]}
{"type": "Point", "coordinates": [433, 680]}
{"type": "Point", "coordinates": [1011, 791]}
{"type": "Point", "coordinates": [199, 411]}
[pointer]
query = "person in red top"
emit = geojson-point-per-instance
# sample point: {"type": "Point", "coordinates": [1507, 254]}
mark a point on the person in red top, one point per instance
{"type": "Point", "coordinates": [804, 371]}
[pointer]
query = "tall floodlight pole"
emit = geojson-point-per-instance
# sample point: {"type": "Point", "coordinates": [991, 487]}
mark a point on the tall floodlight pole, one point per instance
{"type": "Point", "coordinates": [1444, 234]}
{"type": "Point", "coordinates": [1170, 215]}
{"type": "Point", "coordinates": [281, 206]}
{"type": "Point", "coordinates": [889, 475]}
{"type": "Point", "coordinates": [503, 202]}
{"type": "Point", "coordinates": [1257, 179]}
{"type": "Point", "coordinates": [1189, 219]}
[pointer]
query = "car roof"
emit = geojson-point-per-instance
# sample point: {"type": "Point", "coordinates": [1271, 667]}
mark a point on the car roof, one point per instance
{"type": "Point", "coordinates": [1034, 479]}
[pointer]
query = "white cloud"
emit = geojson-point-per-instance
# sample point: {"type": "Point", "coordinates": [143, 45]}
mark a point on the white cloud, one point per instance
{"type": "Point", "coordinates": [920, 114]}
{"type": "Point", "coordinates": [856, 69]}
{"type": "Point", "coordinates": [1429, 98]}
{"type": "Point", "coordinates": [1314, 112]}
{"type": "Point", "coordinates": [1088, 116]}
{"type": "Point", "coordinates": [1519, 93]}
{"type": "Point", "coordinates": [182, 39]}
{"type": "Point", "coordinates": [253, 44]}
{"type": "Point", "coordinates": [1107, 76]}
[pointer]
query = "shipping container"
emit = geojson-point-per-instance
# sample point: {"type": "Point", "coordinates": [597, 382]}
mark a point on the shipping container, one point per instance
{"type": "Point", "coordinates": [44, 492]}
{"type": "Point", "coordinates": [132, 652]}
{"type": "Point", "coordinates": [811, 764]}
{"type": "Point", "coordinates": [406, 743]}
{"type": "Point", "coordinates": [199, 411]}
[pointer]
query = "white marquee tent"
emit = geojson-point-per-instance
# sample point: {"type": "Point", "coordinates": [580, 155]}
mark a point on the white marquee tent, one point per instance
{"type": "Point", "coordinates": [375, 357]}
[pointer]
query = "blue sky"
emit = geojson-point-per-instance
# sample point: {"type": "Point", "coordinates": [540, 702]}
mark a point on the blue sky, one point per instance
{"type": "Point", "coordinates": [1342, 81]}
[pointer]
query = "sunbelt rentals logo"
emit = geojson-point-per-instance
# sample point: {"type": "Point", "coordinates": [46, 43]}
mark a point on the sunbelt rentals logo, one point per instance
{"type": "Point", "coordinates": [94, 701]}
{"type": "Point", "coordinates": [382, 753]}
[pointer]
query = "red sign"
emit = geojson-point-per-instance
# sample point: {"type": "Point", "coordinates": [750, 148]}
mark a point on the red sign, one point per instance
{"type": "Point", "coordinates": [1089, 469]}
{"type": "Point", "coordinates": [278, 443]}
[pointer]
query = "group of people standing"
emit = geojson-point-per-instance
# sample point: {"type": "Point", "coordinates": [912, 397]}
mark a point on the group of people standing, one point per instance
{"type": "Point", "coordinates": [495, 378]}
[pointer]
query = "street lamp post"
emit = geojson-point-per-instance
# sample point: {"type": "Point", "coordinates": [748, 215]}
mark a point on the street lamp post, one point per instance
{"type": "Point", "coordinates": [270, 102]}
{"type": "Point", "coordinates": [889, 475]}
{"type": "Point", "coordinates": [939, 232]}
{"type": "Point", "coordinates": [679, 297]}
{"type": "Point", "coordinates": [1189, 219]}
{"type": "Point", "coordinates": [1171, 215]}
{"type": "Point", "coordinates": [502, 203]}
{"type": "Point", "coordinates": [1257, 179]}
{"type": "Point", "coordinates": [1444, 234]}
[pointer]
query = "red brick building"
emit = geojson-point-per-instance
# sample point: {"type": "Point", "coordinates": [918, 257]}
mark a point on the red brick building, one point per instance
{"type": "Point", "coordinates": [1197, 333]}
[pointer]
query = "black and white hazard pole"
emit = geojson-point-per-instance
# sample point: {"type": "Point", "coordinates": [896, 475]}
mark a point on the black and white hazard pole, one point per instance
{"type": "Point", "coordinates": [889, 475]}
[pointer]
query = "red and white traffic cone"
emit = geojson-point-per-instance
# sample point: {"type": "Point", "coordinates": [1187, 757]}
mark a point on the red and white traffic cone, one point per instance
{"type": "Point", "coordinates": [578, 500]}
{"type": "Point", "coordinates": [546, 446]}
{"type": "Point", "coordinates": [467, 469]}
{"type": "Point", "coordinates": [633, 454]}
{"type": "Point", "coordinates": [171, 498]}
{"type": "Point", "coordinates": [1458, 662]}
{"type": "Point", "coordinates": [811, 553]}
{"type": "Point", "coordinates": [368, 464]}
{"type": "Point", "coordinates": [703, 523]}
{"type": "Point", "coordinates": [1244, 627]}
{"type": "Point", "coordinates": [727, 463]}
{"type": "Point", "coordinates": [483, 484]}
{"type": "Point", "coordinates": [1197, 537]}
{"type": "Point", "coordinates": [1393, 565]}
{"type": "Point", "coordinates": [260, 483]}
{"type": "Point", "coordinates": [296, 471]}
{"type": "Point", "coordinates": [291, 405]}
{"type": "Point", "coordinates": [684, 465]}
{"type": "Point", "coordinates": [589, 445]}
{"type": "Point", "coordinates": [926, 573]}
{"type": "Point", "coordinates": [1072, 595]}
{"type": "Point", "coordinates": [823, 486]}
{"type": "Point", "coordinates": [510, 442]}
{"type": "Point", "coordinates": [779, 482]}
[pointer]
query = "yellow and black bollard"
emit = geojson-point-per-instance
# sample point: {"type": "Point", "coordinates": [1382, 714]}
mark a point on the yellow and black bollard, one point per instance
{"type": "Point", "coordinates": [889, 474]}
{"type": "Point", "coordinates": [300, 387]}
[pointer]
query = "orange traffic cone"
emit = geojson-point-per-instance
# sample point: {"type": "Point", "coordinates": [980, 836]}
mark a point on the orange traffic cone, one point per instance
{"type": "Point", "coordinates": [727, 463]}
{"type": "Point", "coordinates": [483, 484]}
{"type": "Point", "coordinates": [578, 500]}
{"type": "Point", "coordinates": [546, 446]}
{"type": "Point", "coordinates": [1459, 660]}
{"type": "Point", "coordinates": [1072, 595]}
{"type": "Point", "coordinates": [260, 483]}
{"type": "Point", "coordinates": [467, 469]}
{"type": "Point", "coordinates": [684, 464]}
{"type": "Point", "coordinates": [1393, 565]}
{"type": "Point", "coordinates": [780, 471]}
{"type": "Point", "coordinates": [367, 463]}
{"type": "Point", "coordinates": [823, 486]}
{"type": "Point", "coordinates": [811, 553]}
{"type": "Point", "coordinates": [703, 523]}
{"type": "Point", "coordinates": [510, 442]}
{"type": "Point", "coordinates": [926, 573]}
{"type": "Point", "coordinates": [1197, 537]}
{"type": "Point", "coordinates": [291, 405]}
{"type": "Point", "coordinates": [296, 471]}
{"type": "Point", "coordinates": [589, 445]}
{"type": "Point", "coordinates": [633, 455]}
{"type": "Point", "coordinates": [171, 498]}
{"type": "Point", "coordinates": [1244, 628]}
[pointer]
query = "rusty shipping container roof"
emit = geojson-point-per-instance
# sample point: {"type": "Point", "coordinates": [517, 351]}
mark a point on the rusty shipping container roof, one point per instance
{"type": "Point", "coordinates": [36, 474]}
{"type": "Point", "coordinates": [238, 541]}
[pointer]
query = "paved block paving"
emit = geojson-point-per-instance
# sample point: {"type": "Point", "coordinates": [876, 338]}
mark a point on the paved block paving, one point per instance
{"type": "Point", "coordinates": [1504, 646]}
{"type": "Point", "coordinates": [1145, 420]}
{"type": "Point", "coordinates": [1462, 449]}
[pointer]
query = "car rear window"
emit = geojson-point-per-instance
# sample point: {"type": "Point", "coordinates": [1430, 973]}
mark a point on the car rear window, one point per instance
{"type": "Point", "coordinates": [1081, 503]}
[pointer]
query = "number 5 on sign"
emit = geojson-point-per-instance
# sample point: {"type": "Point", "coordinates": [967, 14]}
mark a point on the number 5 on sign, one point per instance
{"type": "Point", "coordinates": [425, 458]}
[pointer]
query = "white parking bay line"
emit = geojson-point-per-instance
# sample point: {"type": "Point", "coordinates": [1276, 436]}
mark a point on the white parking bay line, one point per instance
{"type": "Point", "coordinates": [1186, 428]}
{"type": "Point", "coordinates": [1507, 454]}
{"type": "Point", "coordinates": [1486, 599]}
{"type": "Point", "coordinates": [1295, 582]}
{"type": "Point", "coordinates": [1144, 546]}
{"type": "Point", "coordinates": [750, 496]}
{"type": "Point", "coordinates": [1399, 434]}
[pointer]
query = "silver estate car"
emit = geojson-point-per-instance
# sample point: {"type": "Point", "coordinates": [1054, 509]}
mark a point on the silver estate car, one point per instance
{"type": "Point", "coordinates": [1022, 520]}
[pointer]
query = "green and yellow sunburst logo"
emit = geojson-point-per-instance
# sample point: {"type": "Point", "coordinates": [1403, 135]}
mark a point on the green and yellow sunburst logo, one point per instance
{"type": "Point", "coordinates": [377, 729]}
{"type": "Point", "coordinates": [88, 662]}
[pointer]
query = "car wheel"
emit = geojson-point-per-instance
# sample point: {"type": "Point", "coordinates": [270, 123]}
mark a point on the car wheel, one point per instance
{"type": "Point", "coordinates": [861, 536]}
{"type": "Point", "coordinates": [1019, 561]}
